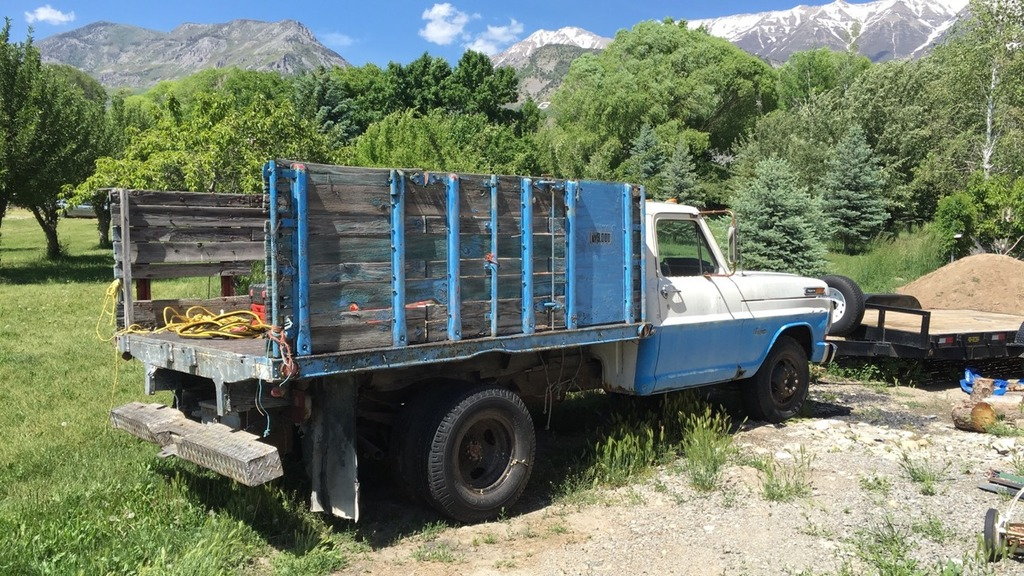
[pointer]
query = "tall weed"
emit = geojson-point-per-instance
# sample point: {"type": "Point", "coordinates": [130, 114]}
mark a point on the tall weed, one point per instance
{"type": "Point", "coordinates": [892, 262]}
{"type": "Point", "coordinates": [707, 446]}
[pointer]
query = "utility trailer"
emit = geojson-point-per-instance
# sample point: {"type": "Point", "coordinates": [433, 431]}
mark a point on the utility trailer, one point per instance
{"type": "Point", "coordinates": [896, 326]}
{"type": "Point", "coordinates": [413, 313]}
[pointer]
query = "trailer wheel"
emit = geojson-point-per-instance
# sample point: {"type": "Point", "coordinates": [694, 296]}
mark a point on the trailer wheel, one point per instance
{"type": "Point", "coordinates": [994, 541]}
{"type": "Point", "coordinates": [471, 453]}
{"type": "Point", "coordinates": [780, 385]}
{"type": "Point", "coordinates": [848, 304]}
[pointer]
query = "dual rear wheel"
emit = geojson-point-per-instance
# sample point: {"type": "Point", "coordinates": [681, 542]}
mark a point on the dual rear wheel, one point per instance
{"type": "Point", "coordinates": [467, 452]}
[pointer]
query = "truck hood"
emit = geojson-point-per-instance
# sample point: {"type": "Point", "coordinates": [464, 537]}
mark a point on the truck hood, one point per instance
{"type": "Point", "coordinates": [756, 286]}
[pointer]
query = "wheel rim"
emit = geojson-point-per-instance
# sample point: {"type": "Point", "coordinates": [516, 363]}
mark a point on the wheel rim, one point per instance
{"type": "Point", "coordinates": [485, 452]}
{"type": "Point", "coordinates": [838, 304]}
{"type": "Point", "coordinates": [785, 382]}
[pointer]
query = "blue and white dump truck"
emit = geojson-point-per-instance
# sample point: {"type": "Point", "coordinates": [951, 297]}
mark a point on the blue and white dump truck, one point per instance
{"type": "Point", "coordinates": [414, 312]}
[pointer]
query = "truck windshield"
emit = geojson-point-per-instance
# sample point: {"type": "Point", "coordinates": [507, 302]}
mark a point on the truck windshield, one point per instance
{"type": "Point", "coordinates": [683, 250]}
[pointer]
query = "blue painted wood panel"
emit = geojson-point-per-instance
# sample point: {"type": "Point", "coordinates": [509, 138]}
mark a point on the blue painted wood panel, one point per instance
{"type": "Point", "coordinates": [599, 283]}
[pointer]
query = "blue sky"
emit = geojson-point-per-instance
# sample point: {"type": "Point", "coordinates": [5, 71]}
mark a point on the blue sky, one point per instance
{"type": "Point", "coordinates": [379, 32]}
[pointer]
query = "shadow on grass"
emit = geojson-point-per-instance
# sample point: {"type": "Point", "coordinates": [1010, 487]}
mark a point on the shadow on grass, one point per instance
{"type": "Point", "coordinates": [80, 268]}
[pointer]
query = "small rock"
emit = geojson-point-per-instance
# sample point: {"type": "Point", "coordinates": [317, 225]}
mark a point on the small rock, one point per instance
{"type": "Point", "coordinates": [1003, 445]}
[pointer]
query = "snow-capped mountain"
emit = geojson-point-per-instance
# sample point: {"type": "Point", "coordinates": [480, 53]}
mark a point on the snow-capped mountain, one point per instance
{"type": "Point", "coordinates": [881, 30]}
{"type": "Point", "coordinates": [518, 54]}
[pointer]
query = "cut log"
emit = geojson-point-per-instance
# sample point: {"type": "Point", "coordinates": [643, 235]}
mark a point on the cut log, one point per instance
{"type": "Point", "coordinates": [980, 416]}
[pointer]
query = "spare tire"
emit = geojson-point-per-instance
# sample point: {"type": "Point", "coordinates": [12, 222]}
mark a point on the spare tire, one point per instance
{"type": "Point", "coordinates": [847, 304]}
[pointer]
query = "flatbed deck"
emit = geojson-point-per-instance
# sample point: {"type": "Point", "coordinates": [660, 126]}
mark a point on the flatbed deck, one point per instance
{"type": "Point", "coordinates": [911, 332]}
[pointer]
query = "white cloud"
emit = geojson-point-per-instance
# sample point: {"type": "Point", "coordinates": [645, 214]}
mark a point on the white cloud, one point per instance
{"type": "Point", "coordinates": [49, 15]}
{"type": "Point", "coordinates": [445, 23]}
{"type": "Point", "coordinates": [496, 38]}
{"type": "Point", "coordinates": [336, 39]}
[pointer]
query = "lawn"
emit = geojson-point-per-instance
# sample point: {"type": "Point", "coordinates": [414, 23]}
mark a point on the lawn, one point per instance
{"type": "Point", "coordinates": [81, 498]}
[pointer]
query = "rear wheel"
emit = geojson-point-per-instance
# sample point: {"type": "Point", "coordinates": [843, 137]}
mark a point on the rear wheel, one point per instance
{"type": "Point", "coordinates": [469, 453]}
{"type": "Point", "coordinates": [780, 385]}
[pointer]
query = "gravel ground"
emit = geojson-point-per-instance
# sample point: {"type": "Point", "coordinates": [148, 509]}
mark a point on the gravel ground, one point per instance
{"type": "Point", "coordinates": [860, 498]}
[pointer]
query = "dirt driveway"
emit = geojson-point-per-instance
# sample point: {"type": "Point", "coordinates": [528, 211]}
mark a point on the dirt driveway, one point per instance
{"type": "Point", "coordinates": [862, 513]}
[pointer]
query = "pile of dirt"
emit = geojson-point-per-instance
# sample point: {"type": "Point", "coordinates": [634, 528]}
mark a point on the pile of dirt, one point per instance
{"type": "Point", "coordinates": [988, 282]}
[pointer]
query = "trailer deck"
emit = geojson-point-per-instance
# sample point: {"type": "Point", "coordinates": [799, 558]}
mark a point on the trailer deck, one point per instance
{"type": "Point", "coordinates": [907, 331]}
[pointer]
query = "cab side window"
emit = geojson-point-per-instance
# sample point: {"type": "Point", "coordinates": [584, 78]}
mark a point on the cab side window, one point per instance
{"type": "Point", "coordinates": [683, 250]}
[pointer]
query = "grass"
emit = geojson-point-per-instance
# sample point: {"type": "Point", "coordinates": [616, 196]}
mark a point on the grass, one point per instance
{"type": "Point", "coordinates": [892, 262]}
{"type": "Point", "coordinates": [647, 432]}
{"type": "Point", "coordinates": [923, 472]}
{"type": "Point", "coordinates": [876, 484]}
{"type": "Point", "coordinates": [886, 547]}
{"type": "Point", "coordinates": [707, 447]}
{"type": "Point", "coordinates": [80, 498]}
{"type": "Point", "coordinates": [785, 482]}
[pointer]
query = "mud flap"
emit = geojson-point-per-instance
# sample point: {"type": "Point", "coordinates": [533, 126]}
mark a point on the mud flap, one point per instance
{"type": "Point", "coordinates": [331, 448]}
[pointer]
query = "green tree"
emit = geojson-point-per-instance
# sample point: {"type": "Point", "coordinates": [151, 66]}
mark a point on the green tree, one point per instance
{"type": "Point", "coordinates": [977, 106]}
{"type": "Point", "coordinates": [851, 193]}
{"type": "Point", "coordinates": [679, 180]}
{"type": "Point", "coordinates": [815, 72]}
{"type": "Point", "coordinates": [214, 143]}
{"type": "Point", "coordinates": [58, 148]}
{"type": "Point", "coordinates": [891, 102]}
{"type": "Point", "coordinates": [988, 214]}
{"type": "Point", "coordinates": [476, 87]}
{"type": "Point", "coordinates": [20, 68]}
{"type": "Point", "coordinates": [320, 96]}
{"type": "Point", "coordinates": [443, 141]}
{"type": "Point", "coordinates": [804, 136]}
{"type": "Point", "coordinates": [780, 221]}
{"type": "Point", "coordinates": [689, 86]}
{"type": "Point", "coordinates": [51, 120]}
{"type": "Point", "coordinates": [646, 158]}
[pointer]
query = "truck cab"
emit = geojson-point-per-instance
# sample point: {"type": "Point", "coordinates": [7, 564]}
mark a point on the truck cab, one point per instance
{"type": "Point", "coordinates": [713, 325]}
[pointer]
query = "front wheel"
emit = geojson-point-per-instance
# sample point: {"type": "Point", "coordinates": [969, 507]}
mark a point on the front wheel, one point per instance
{"type": "Point", "coordinates": [780, 385]}
{"type": "Point", "coordinates": [472, 454]}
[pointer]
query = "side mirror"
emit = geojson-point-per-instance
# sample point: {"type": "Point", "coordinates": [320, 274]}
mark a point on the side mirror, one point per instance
{"type": "Point", "coordinates": [734, 248]}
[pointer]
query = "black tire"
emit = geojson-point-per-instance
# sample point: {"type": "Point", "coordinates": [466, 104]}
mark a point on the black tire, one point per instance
{"type": "Point", "coordinates": [469, 453]}
{"type": "Point", "coordinates": [848, 309]}
{"type": "Point", "coordinates": [994, 543]}
{"type": "Point", "coordinates": [780, 386]}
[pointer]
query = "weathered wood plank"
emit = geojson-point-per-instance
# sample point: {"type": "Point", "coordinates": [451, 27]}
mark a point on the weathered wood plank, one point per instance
{"type": "Point", "coordinates": [189, 217]}
{"type": "Point", "coordinates": [162, 234]}
{"type": "Point", "coordinates": [160, 271]}
{"type": "Point", "coordinates": [328, 250]}
{"type": "Point", "coordinates": [150, 313]}
{"type": "Point", "coordinates": [189, 199]}
{"type": "Point", "coordinates": [192, 252]}
{"type": "Point", "coordinates": [362, 337]}
{"type": "Point", "coordinates": [417, 269]}
{"type": "Point", "coordinates": [323, 298]}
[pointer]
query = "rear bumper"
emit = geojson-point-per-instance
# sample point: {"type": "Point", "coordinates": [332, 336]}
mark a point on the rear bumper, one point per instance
{"type": "Point", "coordinates": [233, 453]}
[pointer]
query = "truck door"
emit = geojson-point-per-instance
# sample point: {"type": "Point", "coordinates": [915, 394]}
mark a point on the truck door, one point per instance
{"type": "Point", "coordinates": [701, 312]}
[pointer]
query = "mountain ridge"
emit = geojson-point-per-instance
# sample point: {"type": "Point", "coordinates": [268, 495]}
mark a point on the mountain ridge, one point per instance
{"type": "Point", "coordinates": [127, 56]}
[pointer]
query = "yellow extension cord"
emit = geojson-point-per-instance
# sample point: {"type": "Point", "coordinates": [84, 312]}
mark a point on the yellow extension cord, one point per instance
{"type": "Point", "coordinates": [196, 322]}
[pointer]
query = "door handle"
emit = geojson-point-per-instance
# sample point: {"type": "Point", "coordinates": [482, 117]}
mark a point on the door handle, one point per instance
{"type": "Point", "coordinates": [668, 290]}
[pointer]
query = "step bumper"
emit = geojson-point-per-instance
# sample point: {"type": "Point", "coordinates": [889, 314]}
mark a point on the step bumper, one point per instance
{"type": "Point", "coordinates": [233, 453]}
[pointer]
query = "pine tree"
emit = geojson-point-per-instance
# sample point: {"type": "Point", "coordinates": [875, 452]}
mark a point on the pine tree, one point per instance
{"type": "Point", "coordinates": [678, 178]}
{"type": "Point", "coordinates": [851, 192]}
{"type": "Point", "coordinates": [779, 221]}
{"type": "Point", "coordinates": [646, 158]}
